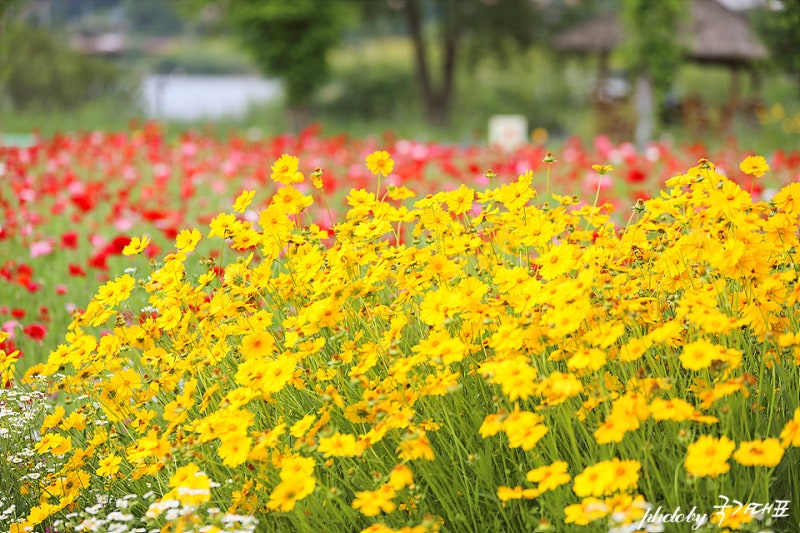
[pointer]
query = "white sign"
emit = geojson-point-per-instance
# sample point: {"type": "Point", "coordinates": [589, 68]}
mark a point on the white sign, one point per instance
{"type": "Point", "coordinates": [508, 132]}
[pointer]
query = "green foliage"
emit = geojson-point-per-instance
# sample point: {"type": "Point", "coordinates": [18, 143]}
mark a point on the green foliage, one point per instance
{"type": "Point", "coordinates": [205, 57]}
{"type": "Point", "coordinates": [497, 29]}
{"type": "Point", "coordinates": [650, 43]}
{"type": "Point", "coordinates": [39, 72]}
{"type": "Point", "coordinates": [379, 89]}
{"type": "Point", "coordinates": [780, 31]}
{"type": "Point", "coordinates": [291, 40]}
{"type": "Point", "coordinates": [153, 17]}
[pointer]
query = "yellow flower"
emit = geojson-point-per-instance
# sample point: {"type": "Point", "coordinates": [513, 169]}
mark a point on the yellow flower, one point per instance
{"type": "Point", "coordinates": [763, 452]}
{"type": "Point", "coordinates": [602, 169]}
{"type": "Point", "coordinates": [52, 420]}
{"type": "Point", "coordinates": [790, 435]}
{"type": "Point", "coordinates": [186, 240]}
{"type": "Point", "coordinates": [509, 493]}
{"type": "Point", "coordinates": [788, 199]}
{"type": "Point", "coordinates": [289, 491]}
{"type": "Point", "coordinates": [595, 480]}
{"type": "Point", "coordinates": [190, 485]}
{"type": "Point", "coordinates": [625, 474]}
{"type": "Point", "coordinates": [549, 477]}
{"type": "Point", "coordinates": [400, 193]}
{"type": "Point", "coordinates": [698, 355]}
{"type": "Point", "coordinates": [301, 427]}
{"type": "Point", "coordinates": [136, 246]}
{"type": "Point", "coordinates": [380, 163]}
{"type": "Point", "coordinates": [673, 409]}
{"type": "Point", "coordinates": [589, 510]}
{"type": "Point", "coordinates": [754, 165]}
{"type": "Point", "coordinates": [709, 456]}
{"type": "Point", "coordinates": [339, 445]}
{"type": "Point", "coordinates": [284, 170]}
{"type": "Point", "coordinates": [257, 345]}
{"type": "Point", "coordinates": [372, 502]}
{"type": "Point", "coordinates": [418, 447]}
{"type": "Point", "coordinates": [109, 466]}
{"type": "Point", "coordinates": [290, 200]}
{"type": "Point", "coordinates": [558, 260]}
{"type": "Point", "coordinates": [243, 200]}
{"type": "Point", "coordinates": [316, 178]}
{"type": "Point", "coordinates": [224, 225]}
{"type": "Point", "coordinates": [234, 449]}
{"type": "Point", "coordinates": [401, 477]}
{"type": "Point", "coordinates": [524, 429]}
{"type": "Point", "coordinates": [517, 378]}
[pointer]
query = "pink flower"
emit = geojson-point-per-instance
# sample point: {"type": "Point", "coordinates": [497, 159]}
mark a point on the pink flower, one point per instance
{"type": "Point", "coordinates": [10, 327]}
{"type": "Point", "coordinates": [40, 248]}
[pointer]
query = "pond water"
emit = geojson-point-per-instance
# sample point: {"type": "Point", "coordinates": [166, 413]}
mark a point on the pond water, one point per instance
{"type": "Point", "coordinates": [190, 97]}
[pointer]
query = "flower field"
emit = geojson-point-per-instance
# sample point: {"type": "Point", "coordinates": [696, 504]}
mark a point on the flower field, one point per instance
{"type": "Point", "coordinates": [326, 334]}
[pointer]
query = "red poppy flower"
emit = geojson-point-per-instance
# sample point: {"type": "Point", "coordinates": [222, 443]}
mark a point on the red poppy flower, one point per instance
{"type": "Point", "coordinates": [24, 274]}
{"type": "Point", "coordinates": [116, 246]}
{"type": "Point", "coordinates": [69, 240]}
{"type": "Point", "coordinates": [76, 270]}
{"type": "Point", "coordinates": [35, 331]}
{"type": "Point", "coordinates": [636, 175]}
{"type": "Point", "coordinates": [99, 261]}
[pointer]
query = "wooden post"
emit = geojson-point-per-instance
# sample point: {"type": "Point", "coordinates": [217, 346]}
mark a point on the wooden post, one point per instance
{"type": "Point", "coordinates": [645, 109]}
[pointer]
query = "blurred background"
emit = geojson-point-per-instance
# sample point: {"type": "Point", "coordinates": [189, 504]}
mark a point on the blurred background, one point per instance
{"type": "Point", "coordinates": [437, 70]}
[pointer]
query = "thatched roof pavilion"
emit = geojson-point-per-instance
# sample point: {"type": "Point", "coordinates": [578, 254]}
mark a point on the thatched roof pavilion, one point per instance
{"type": "Point", "coordinates": [715, 35]}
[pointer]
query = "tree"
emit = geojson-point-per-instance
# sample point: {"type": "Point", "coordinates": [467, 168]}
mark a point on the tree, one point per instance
{"type": "Point", "coordinates": [779, 27]}
{"type": "Point", "coordinates": [289, 40]}
{"type": "Point", "coordinates": [470, 27]}
{"type": "Point", "coordinates": [653, 52]}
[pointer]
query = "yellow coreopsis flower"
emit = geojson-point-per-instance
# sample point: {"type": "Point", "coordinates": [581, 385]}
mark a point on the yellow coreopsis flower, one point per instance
{"type": "Point", "coordinates": [602, 169]}
{"type": "Point", "coordinates": [243, 200]}
{"type": "Point", "coordinates": [754, 165]}
{"type": "Point", "coordinates": [284, 170]}
{"type": "Point", "coordinates": [401, 477]}
{"type": "Point", "coordinates": [524, 429]}
{"type": "Point", "coordinates": [136, 246]}
{"type": "Point", "coordinates": [289, 491]}
{"type": "Point", "coordinates": [234, 449]}
{"type": "Point", "coordinates": [190, 485]}
{"type": "Point", "coordinates": [698, 355]}
{"type": "Point", "coordinates": [549, 477]}
{"type": "Point", "coordinates": [509, 493]}
{"type": "Point", "coordinates": [595, 480]}
{"type": "Point", "coordinates": [589, 510]}
{"type": "Point", "coordinates": [788, 199]}
{"type": "Point", "coordinates": [709, 456]}
{"type": "Point", "coordinates": [372, 502]}
{"type": "Point", "coordinates": [380, 162]}
{"type": "Point", "coordinates": [109, 466]}
{"type": "Point", "coordinates": [790, 435]}
{"type": "Point", "coordinates": [339, 445]}
{"type": "Point", "coordinates": [763, 452]}
{"type": "Point", "coordinates": [416, 448]}
{"type": "Point", "coordinates": [316, 178]}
